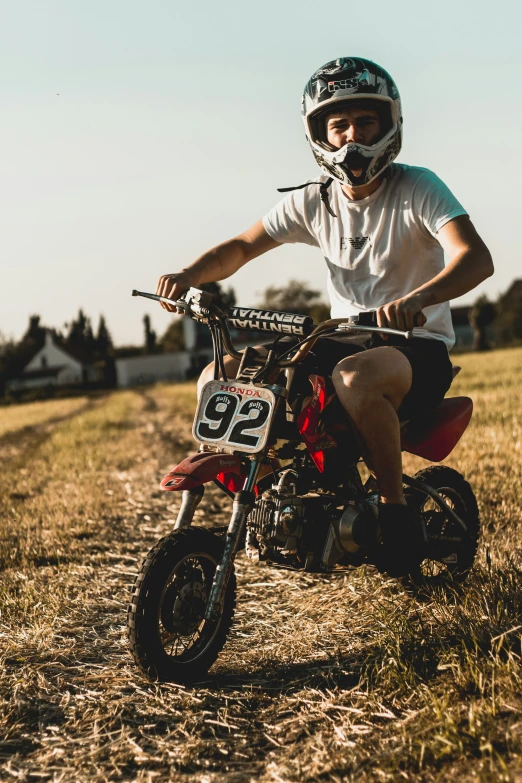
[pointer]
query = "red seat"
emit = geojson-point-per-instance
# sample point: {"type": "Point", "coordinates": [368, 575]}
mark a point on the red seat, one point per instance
{"type": "Point", "coordinates": [436, 435]}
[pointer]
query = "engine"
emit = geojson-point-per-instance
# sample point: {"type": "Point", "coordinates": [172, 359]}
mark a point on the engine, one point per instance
{"type": "Point", "coordinates": [289, 529]}
{"type": "Point", "coordinates": [308, 531]}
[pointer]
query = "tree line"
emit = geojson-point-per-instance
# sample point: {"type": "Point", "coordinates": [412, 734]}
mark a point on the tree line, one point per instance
{"type": "Point", "coordinates": [497, 323]}
{"type": "Point", "coordinates": [493, 322]}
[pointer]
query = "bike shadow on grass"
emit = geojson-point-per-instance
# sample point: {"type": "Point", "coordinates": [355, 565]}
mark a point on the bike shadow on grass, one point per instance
{"type": "Point", "coordinates": [286, 679]}
{"type": "Point", "coordinates": [324, 674]}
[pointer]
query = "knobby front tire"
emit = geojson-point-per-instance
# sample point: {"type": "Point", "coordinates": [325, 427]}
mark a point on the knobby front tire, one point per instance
{"type": "Point", "coordinates": [168, 635]}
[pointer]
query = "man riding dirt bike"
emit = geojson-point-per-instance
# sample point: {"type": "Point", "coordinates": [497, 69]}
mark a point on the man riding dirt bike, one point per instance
{"type": "Point", "coordinates": [383, 229]}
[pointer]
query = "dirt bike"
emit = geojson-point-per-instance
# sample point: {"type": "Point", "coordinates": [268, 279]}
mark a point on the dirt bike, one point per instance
{"type": "Point", "coordinates": [288, 458]}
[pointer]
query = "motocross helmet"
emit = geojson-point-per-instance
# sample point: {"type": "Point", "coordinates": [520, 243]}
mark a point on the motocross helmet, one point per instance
{"type": "Point", "coordinates": [354, 81]}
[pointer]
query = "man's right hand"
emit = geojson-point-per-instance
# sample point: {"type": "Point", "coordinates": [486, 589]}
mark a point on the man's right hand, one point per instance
{"type": "Point", "coordinates": [173, 286]}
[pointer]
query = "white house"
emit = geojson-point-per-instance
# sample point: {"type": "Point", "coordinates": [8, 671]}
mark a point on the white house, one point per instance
{"type": "Point", "coordinates": [136, 370]}
{"type": "Point", "coordinates": [51, 366]}
{"type": "Point", "coordinates": [165, 367]}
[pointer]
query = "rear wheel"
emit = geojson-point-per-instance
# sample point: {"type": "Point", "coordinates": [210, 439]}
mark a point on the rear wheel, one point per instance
{"type": "Point", "coordinates": [168, 634]}
{"type": "Point", "coordinates": [451, 551]}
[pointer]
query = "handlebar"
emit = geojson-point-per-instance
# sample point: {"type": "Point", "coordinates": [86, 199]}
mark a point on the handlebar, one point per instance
{"type": "Point", "coordinates": [198, 304]}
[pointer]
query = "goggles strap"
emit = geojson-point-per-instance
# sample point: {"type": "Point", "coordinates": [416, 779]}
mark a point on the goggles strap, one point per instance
{"type": "Point", "coordinates": [323, 192]}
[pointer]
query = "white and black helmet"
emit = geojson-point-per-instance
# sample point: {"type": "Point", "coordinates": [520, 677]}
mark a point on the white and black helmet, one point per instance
{"type": "Point", "coordinates": [352, 79]}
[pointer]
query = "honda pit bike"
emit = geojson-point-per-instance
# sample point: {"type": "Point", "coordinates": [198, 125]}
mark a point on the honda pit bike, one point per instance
{"type": "Point", "coordinates": [277, 442]}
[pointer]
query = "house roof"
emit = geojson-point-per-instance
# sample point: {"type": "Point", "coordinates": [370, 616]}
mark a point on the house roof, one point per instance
{"type": "Point", "coordinates": [78, 355]}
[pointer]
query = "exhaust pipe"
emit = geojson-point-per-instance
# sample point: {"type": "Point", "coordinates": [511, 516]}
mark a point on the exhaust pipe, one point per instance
{"type": "Point", "coordinates": [356, 529]}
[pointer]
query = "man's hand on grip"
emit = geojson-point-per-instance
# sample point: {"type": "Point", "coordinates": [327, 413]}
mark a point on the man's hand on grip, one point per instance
{"type": "Point", "coordinates": [172, 287]}
{"type": "Point", "coordinates": [403, 314]}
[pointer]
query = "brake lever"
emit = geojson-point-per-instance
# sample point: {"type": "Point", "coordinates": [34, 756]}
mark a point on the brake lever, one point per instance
{"type": "Point", "coordinates": [348, 327]}
{"type": "Point", "coordinates": [179, 303]}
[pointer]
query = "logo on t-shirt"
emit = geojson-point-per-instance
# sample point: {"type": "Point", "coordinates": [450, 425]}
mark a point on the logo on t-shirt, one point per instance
{"type": "Point", "coordinates": [356, 242]}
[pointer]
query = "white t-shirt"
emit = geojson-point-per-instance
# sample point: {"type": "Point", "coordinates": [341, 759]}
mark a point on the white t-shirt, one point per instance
{"type": "Point", "coordinates": [377, 249]}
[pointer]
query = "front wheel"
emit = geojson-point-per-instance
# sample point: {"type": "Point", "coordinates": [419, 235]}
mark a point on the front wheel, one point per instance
{"type": "Point", "coordinates": [168, 634]}
{"type": "Point", "coordinates": [451, 551]}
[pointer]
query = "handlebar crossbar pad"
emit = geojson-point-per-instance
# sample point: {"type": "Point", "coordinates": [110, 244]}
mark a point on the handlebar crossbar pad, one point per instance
{"type": "Point", "coordinates": [270, 321]}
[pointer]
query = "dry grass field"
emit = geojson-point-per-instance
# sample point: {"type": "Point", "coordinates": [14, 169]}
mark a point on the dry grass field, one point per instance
{"type": "Point", "coordinates": [323, 679]}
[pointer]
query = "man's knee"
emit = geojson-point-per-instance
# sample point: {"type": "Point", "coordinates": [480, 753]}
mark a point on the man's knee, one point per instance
{"type": "Point", "coordinates": [377, 373]}
{"type": "Point", "coordinates": [354, 374]}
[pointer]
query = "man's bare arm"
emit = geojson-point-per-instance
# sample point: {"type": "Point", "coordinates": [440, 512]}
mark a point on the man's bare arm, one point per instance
{"type": "Point", "coordinates": [469, 264]}
{"type": "Point", "coordinates": [218, 263]}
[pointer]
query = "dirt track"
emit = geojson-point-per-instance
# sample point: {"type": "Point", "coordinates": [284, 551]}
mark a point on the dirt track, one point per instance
{"type": "Point", "coordinates": [322, 679]}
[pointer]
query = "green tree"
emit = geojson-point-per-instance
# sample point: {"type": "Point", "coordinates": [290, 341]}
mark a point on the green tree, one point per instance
{"type": "Point", "coordinates": [35, 332]}
{"type": "Point", "coordinates": [481, 315]}
{"type": "Point", "coordinates": [222, 298]}
{"type": "Point", "coordinates": [80, 337]}
{"type": "Point", "coordinates": [508, 322]}
{"type": "Point", "coordinates": [104, 344]}
{"type": "Point", "coordinates": [16, 355]}
{"type": "Point", "coordinates": [173, 339]}
{"type": "Point", "coordinates": [150, 335]}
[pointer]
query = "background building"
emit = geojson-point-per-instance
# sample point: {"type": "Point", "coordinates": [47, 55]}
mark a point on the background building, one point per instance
{"type": "Point", "coordinates": [52, 366]}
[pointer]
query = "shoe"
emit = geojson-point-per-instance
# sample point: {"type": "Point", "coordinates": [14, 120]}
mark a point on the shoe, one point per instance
{"type": "Point", "coordinates": [402, 539]}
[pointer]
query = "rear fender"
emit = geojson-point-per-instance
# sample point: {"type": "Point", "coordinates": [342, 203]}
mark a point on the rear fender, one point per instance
{"type": "Point", "coordinates": [199, 469]}
{"type": "Point", "coordinates": [438, 433]}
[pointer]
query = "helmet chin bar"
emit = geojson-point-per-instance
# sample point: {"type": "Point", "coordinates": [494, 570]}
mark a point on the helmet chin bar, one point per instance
{"type": "Point", "coordinates": [356, 181]}
{"type": "Point", "coordinates": [354, 159]}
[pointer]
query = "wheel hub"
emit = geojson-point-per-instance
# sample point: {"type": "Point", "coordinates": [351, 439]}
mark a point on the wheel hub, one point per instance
{"type": "Point", "coordinates": [183, 607]}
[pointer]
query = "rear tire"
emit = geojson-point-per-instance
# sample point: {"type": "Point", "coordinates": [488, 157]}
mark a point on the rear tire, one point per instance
{"type": "Point", "coordinates": [451, 551]}
{"type": "Point", "coordinates": [169, 637]}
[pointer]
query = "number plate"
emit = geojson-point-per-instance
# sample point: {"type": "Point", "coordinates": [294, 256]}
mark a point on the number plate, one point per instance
{"type": "Point", "coordinates": [234, 415]}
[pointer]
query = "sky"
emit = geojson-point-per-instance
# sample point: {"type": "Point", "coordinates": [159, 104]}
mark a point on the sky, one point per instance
{"type": "Point", "coordinates": [136, 135]}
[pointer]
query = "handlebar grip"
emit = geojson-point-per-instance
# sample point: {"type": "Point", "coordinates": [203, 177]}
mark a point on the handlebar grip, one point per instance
{"type": "Point", "coordinates": [369, 318]}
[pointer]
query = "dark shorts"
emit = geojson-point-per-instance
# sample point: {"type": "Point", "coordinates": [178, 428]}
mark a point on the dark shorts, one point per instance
{"type": "Point", "coordinates": [429, 360]}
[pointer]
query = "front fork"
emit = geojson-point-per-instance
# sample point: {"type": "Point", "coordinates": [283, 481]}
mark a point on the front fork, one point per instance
{"type": "Point", "coordinates": [242, 506]}
{"type": "Point", "coordinates": [190, 500]}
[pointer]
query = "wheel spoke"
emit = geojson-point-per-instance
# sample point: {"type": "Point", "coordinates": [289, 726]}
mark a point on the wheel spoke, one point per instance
{"type": "Point", "coordinates": [186, 594]}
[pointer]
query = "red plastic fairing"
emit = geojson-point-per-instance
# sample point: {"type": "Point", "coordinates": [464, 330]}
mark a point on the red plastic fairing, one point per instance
{"type": "Point", "coordinates": [309, 426]}
{"type": "Point", "coordinates": [232, 481]}
{"type": "Point", "coordinates": [437, 435]}
{"type": "Point", "coordinates": [199, 469]}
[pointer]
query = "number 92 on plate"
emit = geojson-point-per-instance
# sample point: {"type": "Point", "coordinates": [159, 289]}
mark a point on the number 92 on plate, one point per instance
{"type": "Point", "coordinates": [234, 415]}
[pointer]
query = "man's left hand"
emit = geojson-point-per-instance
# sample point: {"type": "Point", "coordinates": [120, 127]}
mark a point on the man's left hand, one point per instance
{"type": "Point", "coordinates": [402, 314]}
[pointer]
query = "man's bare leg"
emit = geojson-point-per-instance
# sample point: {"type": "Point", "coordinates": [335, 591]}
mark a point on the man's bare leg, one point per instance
{"type": "Point", "coordinates": [371, 386]}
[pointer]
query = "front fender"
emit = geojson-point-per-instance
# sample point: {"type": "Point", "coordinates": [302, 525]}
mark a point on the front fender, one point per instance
{"type": "Point", "coordinates": [199, 469]}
